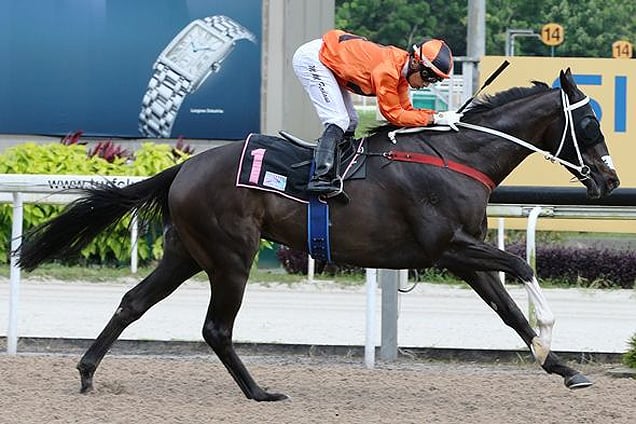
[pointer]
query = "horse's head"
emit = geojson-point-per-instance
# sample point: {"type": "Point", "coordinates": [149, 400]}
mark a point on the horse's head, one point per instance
{"type": "Point", "coordinates": [585, 143]}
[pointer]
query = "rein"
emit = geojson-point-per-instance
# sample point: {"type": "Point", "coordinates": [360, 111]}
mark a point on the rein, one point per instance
{"type": "Point", "coordinates": [441, 163]}
{"type": "Point", "coordinates": [583, 169]}
{"type": "Point", "coordinates": [569, 125]}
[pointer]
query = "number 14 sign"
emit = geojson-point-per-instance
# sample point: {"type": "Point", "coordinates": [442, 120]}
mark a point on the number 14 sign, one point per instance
{"type": "Point", "coordinates": [622, 49]}
{"type": "Point", "coordinates": [552, 34]}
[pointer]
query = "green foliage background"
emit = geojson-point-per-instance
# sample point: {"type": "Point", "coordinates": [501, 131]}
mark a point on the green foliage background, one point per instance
{"type": "Point", "coordinates": [629, 358]}
{"type": "Point", "coordinates": [111, 247]}
{"type": "Point", "coordinates": [590, 26]}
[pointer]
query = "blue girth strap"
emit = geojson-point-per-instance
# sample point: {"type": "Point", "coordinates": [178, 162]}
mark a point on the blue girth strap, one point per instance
{"type": "Point", "coordinates": [318, 229]}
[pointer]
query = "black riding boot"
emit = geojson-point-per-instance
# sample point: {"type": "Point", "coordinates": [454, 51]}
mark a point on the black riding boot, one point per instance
{"type": "Point", "coordinates": [323, 179]}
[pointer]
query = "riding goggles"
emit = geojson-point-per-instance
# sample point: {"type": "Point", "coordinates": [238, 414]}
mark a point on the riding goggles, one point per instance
{"type": "Point", "coordinates": [429, 76]}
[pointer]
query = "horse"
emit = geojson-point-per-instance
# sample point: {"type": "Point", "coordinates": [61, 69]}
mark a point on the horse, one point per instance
{"type": "Point", "coordinates": [403, 215]}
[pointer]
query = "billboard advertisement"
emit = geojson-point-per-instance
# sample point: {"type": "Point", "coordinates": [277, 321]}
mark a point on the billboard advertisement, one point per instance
{"type": "Point", "coordinates": [138, 69]}
{"type": "Point", "coordinates": [611, 86]}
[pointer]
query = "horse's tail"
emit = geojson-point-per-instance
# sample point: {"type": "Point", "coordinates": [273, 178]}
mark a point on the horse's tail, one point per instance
{"type": "Point", "coordinates": [82, 220]}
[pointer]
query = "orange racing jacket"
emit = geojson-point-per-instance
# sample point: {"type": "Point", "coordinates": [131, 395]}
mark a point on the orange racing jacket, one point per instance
{"type": "Point", "coordinates": [369, 69]}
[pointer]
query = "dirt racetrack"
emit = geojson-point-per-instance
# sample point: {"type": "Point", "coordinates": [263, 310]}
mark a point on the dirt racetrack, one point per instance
{"type": "Point", "coordinates": [37, 388]}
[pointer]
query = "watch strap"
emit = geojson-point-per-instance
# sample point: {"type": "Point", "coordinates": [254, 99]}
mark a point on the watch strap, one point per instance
{"type": "Point", "coordinates": [232, 28]}
{"type": "Point", "coordinates": [167, 89]}
{"type": "Point", "coordinates": [161, 103]}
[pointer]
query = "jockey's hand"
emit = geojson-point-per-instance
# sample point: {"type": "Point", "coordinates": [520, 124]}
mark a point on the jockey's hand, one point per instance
{"type": "Point", "coordinates": [449, 118]}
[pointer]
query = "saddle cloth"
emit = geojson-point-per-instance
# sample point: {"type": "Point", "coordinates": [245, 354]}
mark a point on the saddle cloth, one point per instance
{"type": "Point", "coordinates": [280, 166]}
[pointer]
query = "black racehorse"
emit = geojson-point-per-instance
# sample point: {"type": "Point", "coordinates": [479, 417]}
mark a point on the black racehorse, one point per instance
{"type": "Point", "coordinates": [403, 215]}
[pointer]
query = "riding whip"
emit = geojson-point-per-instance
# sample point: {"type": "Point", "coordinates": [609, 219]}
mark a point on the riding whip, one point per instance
{"type": "Point", "coordinates": [490, 79]}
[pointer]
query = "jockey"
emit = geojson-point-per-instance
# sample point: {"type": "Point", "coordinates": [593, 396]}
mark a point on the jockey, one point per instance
{"type": "Point", "coordinates": [340, 62]}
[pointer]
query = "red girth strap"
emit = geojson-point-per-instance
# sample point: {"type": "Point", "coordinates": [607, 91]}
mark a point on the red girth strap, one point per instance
{"type": "Point", "coordinates": [441, 163]}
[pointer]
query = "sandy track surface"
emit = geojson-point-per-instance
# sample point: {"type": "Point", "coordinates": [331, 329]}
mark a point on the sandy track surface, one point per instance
{"type": "Point", "coordinates": [38, 388]}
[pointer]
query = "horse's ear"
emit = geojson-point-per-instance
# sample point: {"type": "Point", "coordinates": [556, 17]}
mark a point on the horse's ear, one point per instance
{"type": "Point", "coordinates": [567, 81]}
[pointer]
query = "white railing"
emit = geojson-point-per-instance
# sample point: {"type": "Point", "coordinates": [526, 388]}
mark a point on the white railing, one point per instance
{"type": "Point", "coordinates": [60, 189]}
{"type": "Point", "coordinates": [19, 189]}
{"type": "Point", "coordinates": [501, 211]}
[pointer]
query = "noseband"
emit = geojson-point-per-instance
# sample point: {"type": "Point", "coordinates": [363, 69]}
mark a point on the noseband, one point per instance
{"type": "Point", "coordinates": [569, 124]}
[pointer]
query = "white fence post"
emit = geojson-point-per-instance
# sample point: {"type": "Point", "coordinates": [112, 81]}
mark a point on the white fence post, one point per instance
{"type": "Point", "coordinates": [14, 291]}
{"type": "Point", "coordinates": [56, 189]}
{"type": "Point", "coordinates": [531, 255]}
{"type": "Point", "coordinates": [134, 247]}
{"type": "Point", "coordinates": [311, 269]}
{"type": "Point", "coordinates": [501, 232]}
{"type": "Point", "coordinates": [369, 345]}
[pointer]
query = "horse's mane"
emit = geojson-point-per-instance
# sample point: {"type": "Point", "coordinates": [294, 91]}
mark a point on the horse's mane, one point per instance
{"type": "Point", "coordinates": [491, 101]}
{"type": "Point", "coordinates": [484, 102]}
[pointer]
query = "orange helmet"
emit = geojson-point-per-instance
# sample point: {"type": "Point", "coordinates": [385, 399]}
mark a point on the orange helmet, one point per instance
{"type": "Point", "coordinates": [434, 55]}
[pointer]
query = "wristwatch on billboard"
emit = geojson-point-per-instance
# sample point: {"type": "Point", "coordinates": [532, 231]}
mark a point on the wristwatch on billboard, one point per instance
{"type": "Point", "coordinates": [183, 66]}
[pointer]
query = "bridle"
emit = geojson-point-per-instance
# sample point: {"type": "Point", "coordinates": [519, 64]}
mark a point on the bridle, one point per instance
{"type": "Point", "coordinates": [569, 127]}
{"type": "Point", "coordinates": [568, 108]}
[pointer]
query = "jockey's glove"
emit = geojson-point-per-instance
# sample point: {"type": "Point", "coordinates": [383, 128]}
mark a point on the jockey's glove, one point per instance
{"type": "Point", "coordinates": [449, 118]}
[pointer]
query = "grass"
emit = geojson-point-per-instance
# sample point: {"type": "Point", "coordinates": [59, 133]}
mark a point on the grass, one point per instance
{"type": "Point", "coordinates": [103, 274]}
{"type": "Point", "coordinates": [106, 274]}
{"type": "Point", "coordinates": [78, 273]}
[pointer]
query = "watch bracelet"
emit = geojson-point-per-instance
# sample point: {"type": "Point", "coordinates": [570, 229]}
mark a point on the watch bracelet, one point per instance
{"type": "Point", "coordinates": [167, 89]}
{"type": "Point", "coordinates": [161, 103]}
{"type": "Point", "coordinates": [232, 28]}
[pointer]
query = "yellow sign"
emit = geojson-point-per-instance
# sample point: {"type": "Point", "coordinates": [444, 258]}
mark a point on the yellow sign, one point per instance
{"type": "Point", "coordinates": [610, 83]}
{"type": "Point", "coordinates": [552, 34]}
{"type": "Point", "coordinates": [622, 49]}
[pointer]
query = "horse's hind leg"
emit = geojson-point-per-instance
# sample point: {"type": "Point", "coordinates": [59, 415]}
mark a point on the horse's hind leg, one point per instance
{"type": "Point", "coordinates": [464, 259]}
{"type": "Point", "coordinates": [175, 267]}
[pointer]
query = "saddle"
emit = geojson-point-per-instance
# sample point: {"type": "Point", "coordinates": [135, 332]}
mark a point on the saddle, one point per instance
{"type": "Point", "coordinates": [284, 164]}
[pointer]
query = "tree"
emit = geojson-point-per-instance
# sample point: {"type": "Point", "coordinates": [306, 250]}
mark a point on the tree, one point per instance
{"type": "Point", "coordinates": [403, 22]}
{"type": "Point", "coordinates": [591, 26]}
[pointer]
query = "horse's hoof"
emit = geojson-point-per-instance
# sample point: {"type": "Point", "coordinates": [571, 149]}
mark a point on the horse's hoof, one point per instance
{"type": "Point", "coordinates": [87, 387]}
{"type": "Point", "coordinates": [86, 378]}
{"type": "Point", "coordinates": [270, 397]}
{"type": "Point", "coordinates": [577, 381]}
{"type": "Point", "coordinates": [278, 396]}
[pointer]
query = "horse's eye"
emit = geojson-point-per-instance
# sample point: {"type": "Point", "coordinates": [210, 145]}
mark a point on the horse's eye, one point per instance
{"type": "Point", "coordinates": [591, 129]}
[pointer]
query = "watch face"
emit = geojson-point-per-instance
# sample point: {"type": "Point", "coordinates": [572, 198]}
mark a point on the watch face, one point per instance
{"type": "Point", "coordinates": [195, 50]}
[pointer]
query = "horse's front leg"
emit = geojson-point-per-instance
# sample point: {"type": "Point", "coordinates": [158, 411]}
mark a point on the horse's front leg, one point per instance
{"type": "Point", "coordinates": [227, 295]}
{"type": "Point", "coordinates": [469, 257]}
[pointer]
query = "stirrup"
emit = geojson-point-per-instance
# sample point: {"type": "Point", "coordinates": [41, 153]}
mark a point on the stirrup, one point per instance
{"type": "Point", "coordinates": [328, 187]}
{"type": "Point", "coordinates": [338, 191]}
{"type": "Point", "coordinates": [319, 186]}
{"type": "Point", "coordinates": [338, 195]}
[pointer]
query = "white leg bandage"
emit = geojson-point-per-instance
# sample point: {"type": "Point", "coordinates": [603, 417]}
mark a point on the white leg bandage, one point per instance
{"type": "Point", "coordinates": [545, 320]}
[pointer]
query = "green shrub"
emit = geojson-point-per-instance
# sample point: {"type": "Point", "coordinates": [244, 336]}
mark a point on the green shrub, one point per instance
{"type": "Point", "coordinates": [593, 266]}
{"type": "Point", "coordinates": [559, 265]}
{"type": "Point", "coordinates": [629, 358]}
{"type": "Point", "coordinates": [75, 159]}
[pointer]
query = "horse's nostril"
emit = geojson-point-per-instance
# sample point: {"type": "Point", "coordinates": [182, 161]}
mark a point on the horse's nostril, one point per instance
{"type": "Point", "coordinates": [612, 184]}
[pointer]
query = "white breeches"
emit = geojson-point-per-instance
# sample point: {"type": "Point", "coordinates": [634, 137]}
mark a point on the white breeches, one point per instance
{"type": "Point", "coordinates": [332, 102]}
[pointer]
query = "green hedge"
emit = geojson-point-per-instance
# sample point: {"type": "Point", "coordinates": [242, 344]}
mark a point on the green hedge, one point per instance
{"type": "Point", "coordinates": [629, 358]}
{"type": "Point", "coordinates": [74, 159]}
